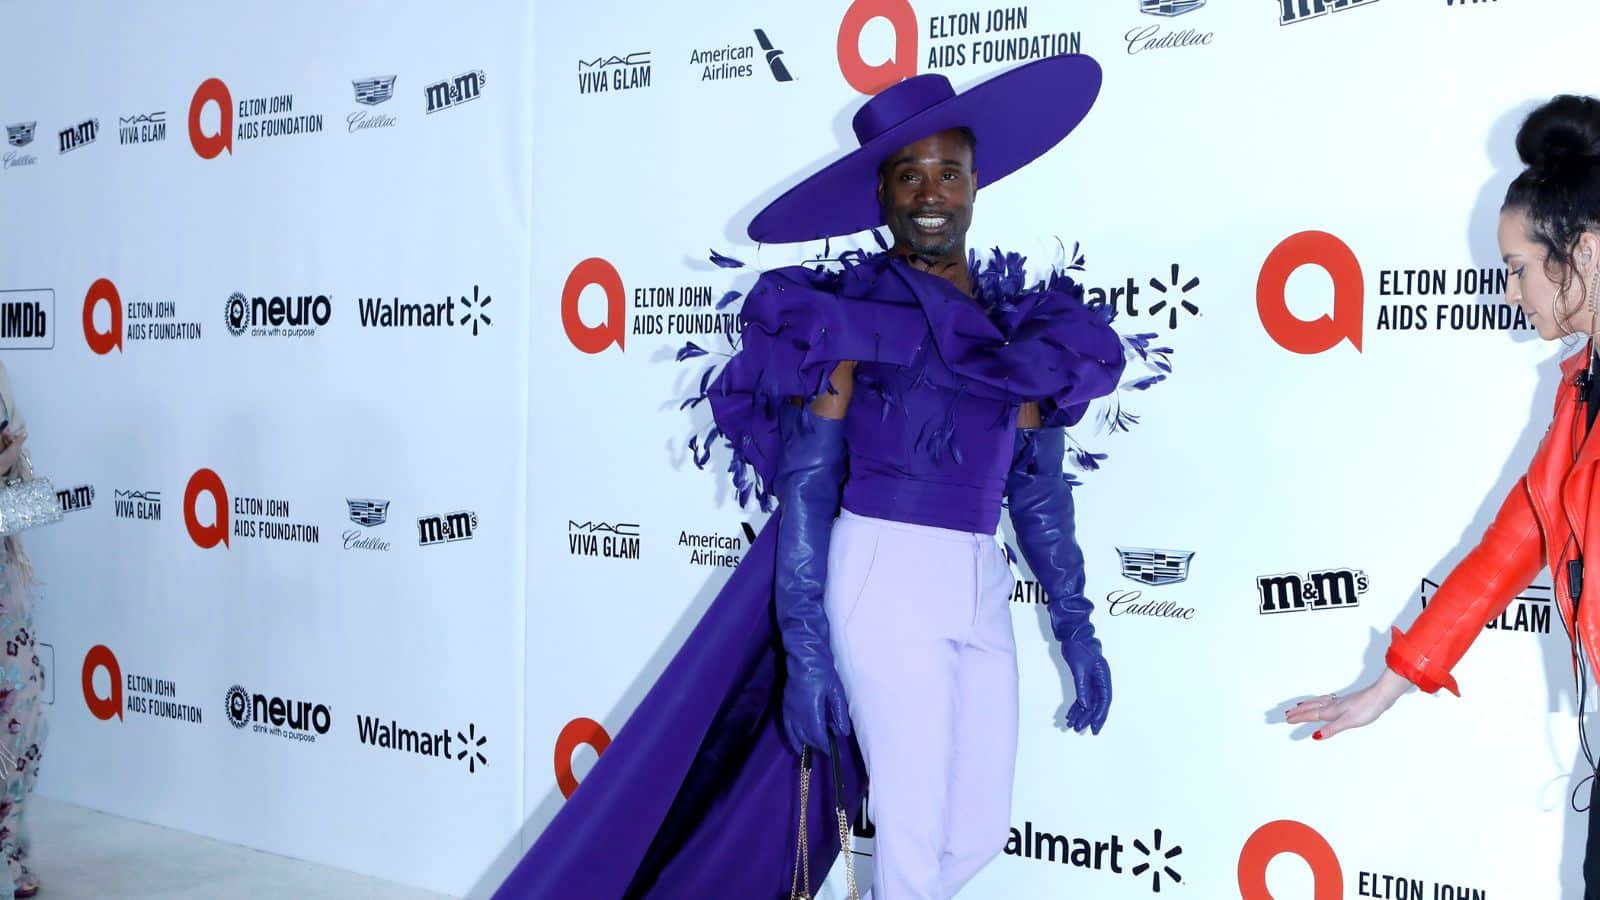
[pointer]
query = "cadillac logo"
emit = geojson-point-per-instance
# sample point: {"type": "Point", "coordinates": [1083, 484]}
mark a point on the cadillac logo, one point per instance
{"type": "Point", "coordinates": [1169, 7]}
{"type": "Point", "coordinates": [372, 91]}
{"type": "Point", "coordinates": [1155, 567]}
{"type": "Point", "coordinates": [21, 134]}
{"type": "Point", "coordinates": [368, 512]}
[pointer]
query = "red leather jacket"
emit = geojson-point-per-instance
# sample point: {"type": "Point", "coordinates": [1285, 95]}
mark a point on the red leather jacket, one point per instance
{"type": "Point", "coordinates": [1540, 524]}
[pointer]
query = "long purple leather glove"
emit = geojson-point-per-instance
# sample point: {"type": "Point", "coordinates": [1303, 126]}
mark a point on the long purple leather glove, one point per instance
{"type": "Point", "coordinates": [810, 476]}
{"type": "Point", "coordinates": [1042, 514]}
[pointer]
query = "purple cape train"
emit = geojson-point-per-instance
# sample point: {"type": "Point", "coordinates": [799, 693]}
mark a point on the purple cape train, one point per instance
{"type": "Point", "coordinates": [698, 794]}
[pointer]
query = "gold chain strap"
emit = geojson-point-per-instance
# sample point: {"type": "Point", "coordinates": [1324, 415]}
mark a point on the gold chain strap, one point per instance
{"type": "Point", "coordinates": [802, 848]}
{"type": "Point", "coordinates": [802, 845]}
{"type": "Point", "coordinates": [849, 858]}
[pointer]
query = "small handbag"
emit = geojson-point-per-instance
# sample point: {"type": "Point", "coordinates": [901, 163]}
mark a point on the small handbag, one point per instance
{"type": "Point", "coordinates": [26, 500]}
{"type": "Point", "coordinates": [801, 890]}
{"type": "Point", "coordinates": [27, 503]}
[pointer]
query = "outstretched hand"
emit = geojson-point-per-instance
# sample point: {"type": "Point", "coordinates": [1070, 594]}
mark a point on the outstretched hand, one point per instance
{"type": "Point", "coordinates": [1342, 713]}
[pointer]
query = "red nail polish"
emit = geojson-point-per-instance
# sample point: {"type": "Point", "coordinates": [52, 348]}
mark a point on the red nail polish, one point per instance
{"type": "Point", "coordinates": [1317, 736]}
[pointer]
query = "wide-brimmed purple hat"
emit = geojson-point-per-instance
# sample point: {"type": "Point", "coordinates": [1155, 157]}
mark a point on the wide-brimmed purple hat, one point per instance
{"type": "Point", "coordinates": [1016, 116]}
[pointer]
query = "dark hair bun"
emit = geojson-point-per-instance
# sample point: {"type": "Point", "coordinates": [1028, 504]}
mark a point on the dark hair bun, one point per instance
{"type": "Point", "coordinates": [1565, 129]}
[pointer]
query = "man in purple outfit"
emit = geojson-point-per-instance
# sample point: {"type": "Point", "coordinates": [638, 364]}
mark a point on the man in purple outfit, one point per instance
{"type": "Point", "coordinates": [888, 405]}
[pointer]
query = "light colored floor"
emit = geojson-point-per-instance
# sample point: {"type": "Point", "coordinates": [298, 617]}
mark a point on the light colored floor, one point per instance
{"type": "Point", "coordinates": [80, 854]}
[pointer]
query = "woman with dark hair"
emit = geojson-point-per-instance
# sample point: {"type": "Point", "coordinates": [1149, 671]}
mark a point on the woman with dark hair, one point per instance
{"type": "Point", "coordinates": [1550, 240]}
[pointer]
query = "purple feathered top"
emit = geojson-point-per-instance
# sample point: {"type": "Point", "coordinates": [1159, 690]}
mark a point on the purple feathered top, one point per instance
{"type": "Point", "coordinates": [939, 379]}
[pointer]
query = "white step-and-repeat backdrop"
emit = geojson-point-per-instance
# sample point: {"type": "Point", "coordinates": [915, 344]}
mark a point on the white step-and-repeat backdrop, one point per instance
{"type": "Point", "coordinates": [1360, 458]}
{"type": "Point", "coordinates": [349, 333]}
{"type": "Point", "coordinates": [282, 261]}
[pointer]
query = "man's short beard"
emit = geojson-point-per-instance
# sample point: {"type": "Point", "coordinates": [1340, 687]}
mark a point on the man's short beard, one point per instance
{"type": "Point", "coordinates": [935, 249]}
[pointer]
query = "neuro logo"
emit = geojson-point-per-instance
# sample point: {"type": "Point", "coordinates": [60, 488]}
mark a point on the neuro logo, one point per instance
{"type": "Point", "coordinates": [614, 329]}
{"type": "Point", "coordinates": [472, 748]}
{"type": "Point", "coordinates": [870, 78]}
{"type": "Point", "coordinates": [1311, 248]}
{"type": "Point", "coordinates": [297, 720]}
{"type": "Point", "coordinates": [582, 732]}
{"type": "Point", "coordinates": [236, 313]}
{"type": "Point", "coordinates": [103, 708]}
{"type": "Point", "coordinates": [779, 70]}
{"type": "Point", "coordinates": [372, 91]}
{"type": "Point", "coordinates": [1173, 295]}
{"type": "Point", "coordinates": [237, 703]}
{"type": "Point", "coordinates": [205, 482]}
{"type": "Point", "coordinates": [210, 146]}
{"type": "Point", "coordinates": [1286, 836]}
{"type": "Point", "coordinates": [103, 292]}
{"type": "Point", "coordinates": [1157, 861]}
{"type": "Point", "coordinates": [288, 315]}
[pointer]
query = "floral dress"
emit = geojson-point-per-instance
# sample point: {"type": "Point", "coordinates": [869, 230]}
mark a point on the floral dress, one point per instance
{"type": "Point", "coordinates": [22, 725]}
{"type": "Point", "coordinates": [22, 685]}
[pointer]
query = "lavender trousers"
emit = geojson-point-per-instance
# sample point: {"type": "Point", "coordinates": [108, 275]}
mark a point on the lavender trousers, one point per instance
{"type": "Point", "coordinates": [920, 621]}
